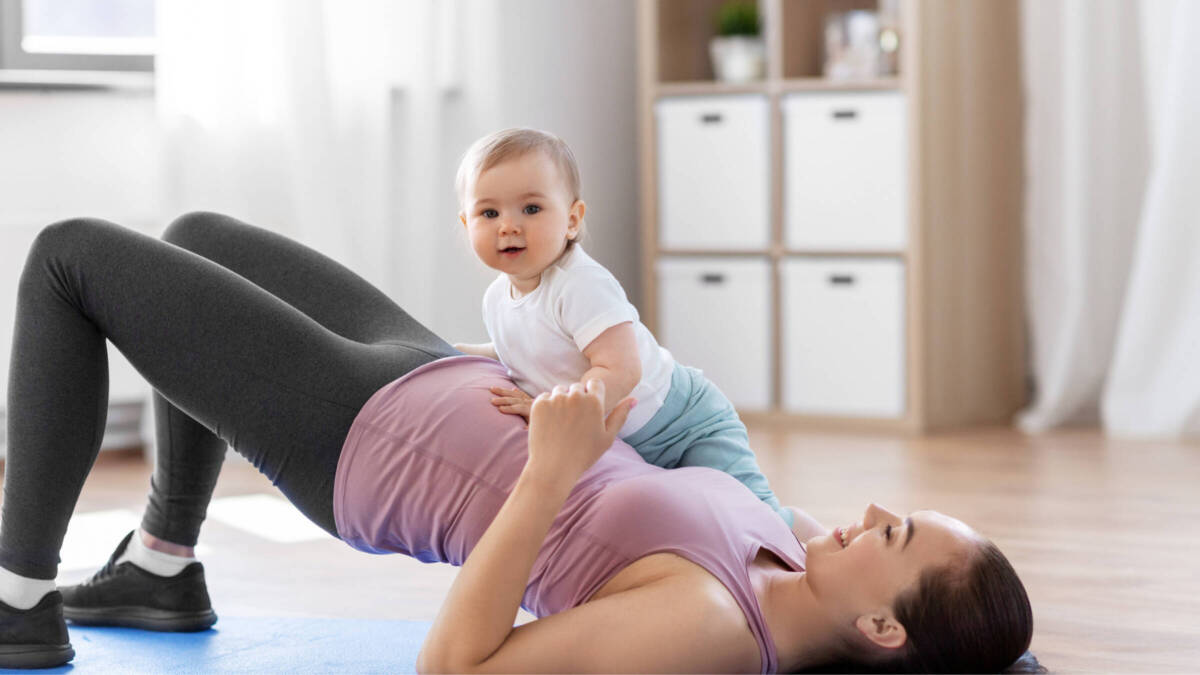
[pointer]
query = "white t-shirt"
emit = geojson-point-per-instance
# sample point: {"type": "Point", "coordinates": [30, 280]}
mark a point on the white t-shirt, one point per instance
{"type": "Point", "coordinates": [540, 337]}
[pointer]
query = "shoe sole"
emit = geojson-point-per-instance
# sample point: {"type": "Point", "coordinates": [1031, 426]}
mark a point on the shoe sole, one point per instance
{"type": "Point", "coordinates": [35, 656]}
{"type": "Point", "coordinates": [145, 618]}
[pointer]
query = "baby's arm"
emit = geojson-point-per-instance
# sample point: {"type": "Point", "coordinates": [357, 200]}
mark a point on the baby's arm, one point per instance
{"type": "Point", "coordinates": [614, 359]}
{"type": "Point", "coordinates": [485, 349]}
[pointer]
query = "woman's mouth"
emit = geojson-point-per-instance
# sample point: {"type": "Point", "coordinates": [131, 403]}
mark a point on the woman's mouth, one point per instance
{"type": "Point", "coordinates": [842, 536]}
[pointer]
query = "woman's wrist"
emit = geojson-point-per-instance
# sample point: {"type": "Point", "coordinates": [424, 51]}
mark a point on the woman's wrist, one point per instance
{"type": "Point", "coordinates": [547, 480]}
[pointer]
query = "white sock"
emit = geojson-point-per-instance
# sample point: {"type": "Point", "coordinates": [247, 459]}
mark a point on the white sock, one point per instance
{"type": "Point", "coordinates": [154, 562]}
{"type": "Point", "coordinates": [22, 592]}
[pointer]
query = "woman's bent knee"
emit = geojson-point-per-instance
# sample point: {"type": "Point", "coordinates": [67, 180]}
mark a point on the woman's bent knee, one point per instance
{"type": "Point", "coordinates": [191, 226]}
{"type": "Point", "coordinates": [71, 235]}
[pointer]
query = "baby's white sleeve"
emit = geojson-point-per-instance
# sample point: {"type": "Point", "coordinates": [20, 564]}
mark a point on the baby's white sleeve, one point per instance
{"type": "Point", "coordinates": [591, 302]}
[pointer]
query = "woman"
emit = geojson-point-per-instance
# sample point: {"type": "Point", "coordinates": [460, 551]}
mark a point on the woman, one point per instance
{"type": "Point", "coordinates": [253, 340]}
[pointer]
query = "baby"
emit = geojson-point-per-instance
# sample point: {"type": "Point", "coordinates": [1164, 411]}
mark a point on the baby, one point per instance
{"type": "Point", "coordinates": [556, 316]}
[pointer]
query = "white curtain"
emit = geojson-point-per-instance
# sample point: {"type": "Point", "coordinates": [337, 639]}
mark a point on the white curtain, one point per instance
{"type": "Point", "coordinates": [341, 122]}
{"type": "Point", "coordinates": [1113, 214]}
{"type": "Point", "coordinates": [278, 112]}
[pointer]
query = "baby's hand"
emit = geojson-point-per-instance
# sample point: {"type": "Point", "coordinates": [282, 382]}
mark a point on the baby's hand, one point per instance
{"type": "Point", "coordinates": [512, 401]}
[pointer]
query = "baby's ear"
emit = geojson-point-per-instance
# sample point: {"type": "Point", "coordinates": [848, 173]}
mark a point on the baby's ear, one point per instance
{"type": "Point", "coordinates": [462, 217]}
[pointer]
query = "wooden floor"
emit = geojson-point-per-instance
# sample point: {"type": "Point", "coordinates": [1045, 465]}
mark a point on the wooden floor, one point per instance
{"type": "Point", "coordinates": [1105, 533]}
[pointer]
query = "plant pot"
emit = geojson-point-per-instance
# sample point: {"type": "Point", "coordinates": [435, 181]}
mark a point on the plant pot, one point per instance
{"type": "Point", "coordinates": [738, 58]}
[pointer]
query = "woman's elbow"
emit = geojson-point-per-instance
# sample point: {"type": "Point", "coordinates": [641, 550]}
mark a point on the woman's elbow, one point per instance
{"type": "Point", "coordinates": [430, 663]}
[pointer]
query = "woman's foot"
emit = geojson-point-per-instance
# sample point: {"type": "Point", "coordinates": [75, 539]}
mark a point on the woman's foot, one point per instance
{"type": "Point", "coordinates": [34, 637]}
{"type": "Point", "coordinates": [122, 593]}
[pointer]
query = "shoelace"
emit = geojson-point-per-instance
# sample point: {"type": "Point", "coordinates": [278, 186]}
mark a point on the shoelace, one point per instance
{"type": "Point", "coordinates": [109, 569]}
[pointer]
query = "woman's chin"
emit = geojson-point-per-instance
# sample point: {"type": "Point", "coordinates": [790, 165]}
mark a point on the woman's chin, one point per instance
{"type": "Point", "coordinates": [823, 541]}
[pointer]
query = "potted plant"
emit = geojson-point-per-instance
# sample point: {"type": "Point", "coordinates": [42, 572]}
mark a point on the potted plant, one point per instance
{"type": "Point", "coordinates": [737, 51]}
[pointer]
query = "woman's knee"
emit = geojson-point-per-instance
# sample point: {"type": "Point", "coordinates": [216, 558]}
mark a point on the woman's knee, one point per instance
{"type": "Point", "coordinates": [71, 235]}
{"type": "Point", "coordinates": [194, 227]}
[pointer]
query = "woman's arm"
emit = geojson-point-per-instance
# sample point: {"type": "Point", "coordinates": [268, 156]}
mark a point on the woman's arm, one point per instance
{"type": "Point", "coordinates": [486, 349]}
{"type": "Point", "coordinates": [567, 434]}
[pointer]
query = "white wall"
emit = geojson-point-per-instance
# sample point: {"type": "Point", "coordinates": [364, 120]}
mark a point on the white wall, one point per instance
{"type": "Point", "coordinates": [567, 66]}
{"type": "Point", "coordinates": [69, 154]}
{"type": "Point", "coordinates": [563, 65]}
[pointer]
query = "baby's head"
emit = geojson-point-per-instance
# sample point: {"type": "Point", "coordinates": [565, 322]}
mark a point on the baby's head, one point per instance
{"type": "Point", "coordinates": [518, 195]}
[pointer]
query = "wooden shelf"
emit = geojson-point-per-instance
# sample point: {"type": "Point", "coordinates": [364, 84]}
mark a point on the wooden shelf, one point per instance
{"type": "Point", "coordinates": [801, 253]}
{"type": "Point", "coordinates": [801, 84]}
{"type": "Point", "coordinates": [959, 73]}
{"type": "Point", "coordinates": [709, 87]}
{"type": "Point", "coordinates": [779, 252]}
{"type": "Point", "coordinates": [723, 253]}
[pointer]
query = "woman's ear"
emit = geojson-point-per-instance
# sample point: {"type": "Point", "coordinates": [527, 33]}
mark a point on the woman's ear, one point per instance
{"type": "Point", "coordinates": [883, 629]}
{"type": "Point", "coordinates": [575, 218]}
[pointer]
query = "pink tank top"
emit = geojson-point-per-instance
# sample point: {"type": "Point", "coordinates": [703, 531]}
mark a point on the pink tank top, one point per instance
{"type": "Point", "coordinates": [429, 461]}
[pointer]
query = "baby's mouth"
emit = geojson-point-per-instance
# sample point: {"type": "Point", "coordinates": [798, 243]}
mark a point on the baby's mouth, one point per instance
{"type": "Point", "coordinates": [512, 250]}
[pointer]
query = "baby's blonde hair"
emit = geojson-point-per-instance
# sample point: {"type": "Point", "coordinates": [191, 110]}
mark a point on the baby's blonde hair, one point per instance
{"type": "Point", "coordinates": [506, 144]}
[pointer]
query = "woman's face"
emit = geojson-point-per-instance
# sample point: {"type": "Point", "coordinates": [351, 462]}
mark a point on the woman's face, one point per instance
{"type": "Point", "coordinates": [859, 569]}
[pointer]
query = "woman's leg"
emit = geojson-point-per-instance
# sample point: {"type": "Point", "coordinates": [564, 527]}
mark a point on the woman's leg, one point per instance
{"type": "Point", "coordinates": [189, 455]}
{"type": "Point", "coordinates": [246, 365]}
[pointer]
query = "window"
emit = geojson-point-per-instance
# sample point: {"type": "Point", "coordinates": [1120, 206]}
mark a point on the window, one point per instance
{"type": "Point", "coordinates": [77, 35]}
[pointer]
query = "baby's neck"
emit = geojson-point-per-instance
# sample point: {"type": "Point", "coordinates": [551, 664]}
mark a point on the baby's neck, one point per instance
{"type": "Point", "coordinates": [519, 288]}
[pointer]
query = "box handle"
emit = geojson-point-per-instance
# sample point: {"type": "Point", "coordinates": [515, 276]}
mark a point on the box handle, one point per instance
{"type": "Point", "coordinates": [712, 278]}
{"type": "Point", "coordinates": [841, 279]}
{"type": "Point", "coordinates": [711, 118]}
{"type": "Point", "coordinates": [845, 114]}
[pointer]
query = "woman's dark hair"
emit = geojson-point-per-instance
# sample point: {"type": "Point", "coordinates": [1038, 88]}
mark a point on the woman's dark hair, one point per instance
{"type": "Point", "coordinates": [966, 619]}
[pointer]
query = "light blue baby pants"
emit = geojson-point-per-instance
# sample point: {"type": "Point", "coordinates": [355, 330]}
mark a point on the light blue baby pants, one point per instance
{"type": "Point", "coordinates": [697, 426]}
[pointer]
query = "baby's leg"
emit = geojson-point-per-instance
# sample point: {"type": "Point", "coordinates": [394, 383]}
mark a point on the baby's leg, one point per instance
{"type": "Point", "coordinates": [189, 455]}
{"type": "Point", "coordinates": [698, 426]}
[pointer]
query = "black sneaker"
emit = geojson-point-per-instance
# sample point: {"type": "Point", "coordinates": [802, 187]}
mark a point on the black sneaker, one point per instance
{"type": "Point", "coordinates": [34, 637]}
{"type": "Point", "coordinates": [127, 595]}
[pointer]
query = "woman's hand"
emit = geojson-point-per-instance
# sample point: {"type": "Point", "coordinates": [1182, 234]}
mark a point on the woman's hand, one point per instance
{"type": "Point", "coordinates": [512, 401]}
{"type": "Point", "coordinates": [568, 431]}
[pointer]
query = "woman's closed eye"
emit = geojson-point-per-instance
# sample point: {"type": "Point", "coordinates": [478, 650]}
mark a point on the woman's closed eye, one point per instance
{"type": "Point", "coordinates": [887, 534]}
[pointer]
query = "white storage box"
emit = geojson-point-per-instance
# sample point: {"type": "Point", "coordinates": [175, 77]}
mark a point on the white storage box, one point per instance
{"type": "Point", "coordinates": [715, 315]}
{"type": "Point", "coordinates": [843, 337]}
{"type": "Point", "coordinates": [844, 176]}
{"type": "Point", "coordinates": [713, 160]}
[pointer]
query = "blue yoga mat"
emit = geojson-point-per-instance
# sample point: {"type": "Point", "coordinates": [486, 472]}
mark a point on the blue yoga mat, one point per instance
{"type": "Point", "coordinates": [251, 645]}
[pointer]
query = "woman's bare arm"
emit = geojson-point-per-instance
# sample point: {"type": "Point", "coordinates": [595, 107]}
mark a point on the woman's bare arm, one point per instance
{"type": "Point", "coordinates": [567, 434]}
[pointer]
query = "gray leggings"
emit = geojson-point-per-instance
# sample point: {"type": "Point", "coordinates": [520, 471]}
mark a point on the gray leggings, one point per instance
{"type": "Point", "coordinates": [247, 337]}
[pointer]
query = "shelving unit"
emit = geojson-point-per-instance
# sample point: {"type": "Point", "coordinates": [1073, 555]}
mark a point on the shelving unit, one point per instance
{"type": "Point", "coordinates": [960, 166]}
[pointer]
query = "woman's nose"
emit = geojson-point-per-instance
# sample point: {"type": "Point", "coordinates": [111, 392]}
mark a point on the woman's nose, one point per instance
{"type": "Point", "coordinates": [876, 514]}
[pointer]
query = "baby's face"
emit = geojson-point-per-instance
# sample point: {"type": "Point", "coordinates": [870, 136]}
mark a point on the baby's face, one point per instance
{"type": "Point", "coordinates": [519, 216]}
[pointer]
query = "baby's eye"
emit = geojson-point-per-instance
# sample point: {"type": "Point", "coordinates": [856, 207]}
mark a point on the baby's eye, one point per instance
{"type": "Point", "coordinates": [490, 213]}
{"type": "Point", "coordinates": [535, 208]}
